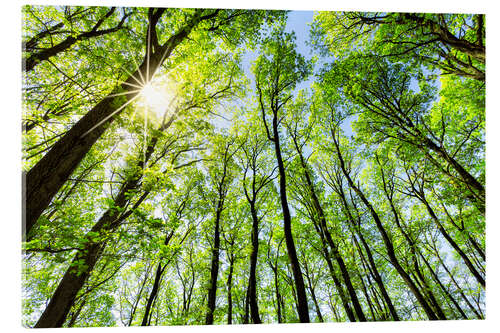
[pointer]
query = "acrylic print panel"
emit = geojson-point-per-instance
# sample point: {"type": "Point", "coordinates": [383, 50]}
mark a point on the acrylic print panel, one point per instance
{"type": "Point", "coordinates": [199, 166]}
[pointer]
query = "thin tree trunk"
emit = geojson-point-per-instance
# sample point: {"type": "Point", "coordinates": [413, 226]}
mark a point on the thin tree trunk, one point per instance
{"type": "Point", "coordinates": [374, 269]}
{"type": "Point", "coordinates": [452, 242]}
{"type": "Point", "coordinates": [446, 292]}
{"type": "Point", "coordinates": [426, 288]}
{"type": "Point", "coordinates": [136, 303]}
{"type": "Point", "coordinates": [367, 296]}
{"type": "Point", "coordinates": [252, 281]}
{"type": "Point", "coordinates": [277, 292]}
{"type": "Point", "coordinates": [338, 284]}
{"type": "Point", "coordinates": [452, 278]}
{"type": "Point", "coordinates": [229, 290]}
{"type": "Point", "coordinates": [302, 307]}
{"type": "Point", "coordinates": [214, 270]}
{"type": "Point", "coordinates": [247, 307]}
{"type": "Point", "coordinates": [311, 290]}
{"type": "Point", "coordinates": [153, 294]}
{"type": "Point", "coordinates": [74, 316]}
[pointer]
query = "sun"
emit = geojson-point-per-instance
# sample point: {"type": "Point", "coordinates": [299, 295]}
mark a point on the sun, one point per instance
{"type": "Point", "coordinates": [157, 97]}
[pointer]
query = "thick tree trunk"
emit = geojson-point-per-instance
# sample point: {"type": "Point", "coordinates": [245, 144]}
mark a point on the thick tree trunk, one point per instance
{"type": "Point", "coordinates": [73, 280]}
{"type": "Point", "coordinates": [84, 261]}
{"type": "Point", "coordinates": [82, 265]}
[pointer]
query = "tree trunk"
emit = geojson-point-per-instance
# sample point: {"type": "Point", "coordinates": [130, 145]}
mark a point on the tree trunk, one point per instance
{"type": "Point", "coordinates": [302, 307]}
{"type": "Point", "coordinates": [311, 290]}
{"type": "Point", "coordinates": [229, 289]}
{"type": "Point", "coordinates": [277, 292]}
{"type": "Point", "coordinates": [443, 288]}
{"type": "Point", "coordinates": [252, 281]}
{"type": "Point", "coordinates": [84, 261]}
{"type": "Point", "coordinates": [64, 296]}
{"type": "Point", "coordinates": [153, 294]}
{"type": "Point", "coordinates": [338, 284]}
{"type": "Point", "coordinates": [214, 270]}
{"type": "Point", "coordinates": [136, 303]}
{"type": "Point", "coordinates": [371, 261]}
{"type": "Point", "coordinates": [452, 278]}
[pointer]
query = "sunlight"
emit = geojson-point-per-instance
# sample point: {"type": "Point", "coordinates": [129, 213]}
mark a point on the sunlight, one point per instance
{"type": "Point", "coordinates": [155, 98]}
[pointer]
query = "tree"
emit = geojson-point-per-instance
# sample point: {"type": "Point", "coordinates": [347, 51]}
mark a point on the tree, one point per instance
{"type": "Point", "coordinates": [45, 178]}
{"type": "Point", "coordinates": [277, 72]}
{"type": "Point", "coordinates": [453, 43]}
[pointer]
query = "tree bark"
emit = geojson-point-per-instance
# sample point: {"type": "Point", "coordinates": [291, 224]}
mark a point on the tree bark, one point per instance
{"type": "Point", "coordinates": [84, 261]}
{"type": "Point", "coordinates": [336, 280]}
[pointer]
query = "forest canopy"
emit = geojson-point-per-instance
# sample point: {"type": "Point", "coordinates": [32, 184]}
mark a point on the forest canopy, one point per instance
{"type": "Point", "coordinates": [235, 166]}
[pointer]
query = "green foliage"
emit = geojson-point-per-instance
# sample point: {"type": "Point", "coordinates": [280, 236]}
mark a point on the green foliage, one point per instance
{"type": "Point", "coordinates": [381, 129]}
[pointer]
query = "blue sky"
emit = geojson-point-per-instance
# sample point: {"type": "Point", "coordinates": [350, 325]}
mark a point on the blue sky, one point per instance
{"type": "Point", "coordinates": [300, 23]}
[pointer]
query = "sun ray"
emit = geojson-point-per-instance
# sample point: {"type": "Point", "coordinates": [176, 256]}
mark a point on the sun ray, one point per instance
{"type": "Point", "coordinates": [132, 75]}
{"type": "Point", "coordinates": [124, 82]}
{"type": "Point", "coordinates": [138, 68]}
{"type": "Point", "coordinates": [131, 84]}
{"type": "Point", "coordinates": [137, 91]}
